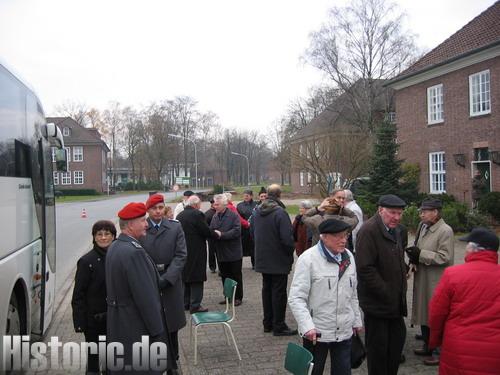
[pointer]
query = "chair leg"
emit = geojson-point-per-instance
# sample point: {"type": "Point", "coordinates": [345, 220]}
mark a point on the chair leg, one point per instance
{"type": "Point", "coordinates": [195, 345]}
{"type": "Point", "coordinates": [227, 336]}
{"type": "Point", "coordinates": [234, 341]}
{"type": "Point", "coordinates": [311, 366]}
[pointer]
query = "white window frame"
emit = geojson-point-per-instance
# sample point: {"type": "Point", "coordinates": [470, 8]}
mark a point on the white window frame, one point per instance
{"type": "Point", "coordinates": [435, 104]}
{"type": "Point", "coordinates": [66, 131]}
{"type": "Point", "coordinates": [437, 172]}
{"type": "Point", "coordinates": [68, 153]}
{"type": "Point", "coordinates": [78, 178]}
{"type": "Point", "coordinates": [301, 178]}
{"type": "Point", "coordinates": [56, 178]}
{"type": "Point", "coordinates": [53, 154]}
{"type": "Point", "coordinates": [480, 93]}
{"type": "Point", "coordinates": [66, 178]}
{"type": "Point", "coordinates": [78, 156]}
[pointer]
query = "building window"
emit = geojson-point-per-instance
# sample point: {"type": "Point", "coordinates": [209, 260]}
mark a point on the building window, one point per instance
{"type": "Point", "coordinates": [301, 150]}
{"type": "Point", "coordinates": [56, 178]}
{"type": "Point", "coordinates": [479, 93]}
{"type": "Point", "coordinates": [301, 178]}
{"type": "Point", "coordinates": [437, 172]}
{"type": "Point", "coordinates": [78, 153]}
{"type": "Point", "coordinates": [435, 111]}
{"type": "Point", "coordinates": [78, 177]}
{"type": "Point", "coordinates": [309, 177]}
{"type": "Point", "coordinates": [66, 132]}
{"type": "Point", "coordinates": [68, 153]}
{"type": "Point", "coordinates": [66, 178]}
{"type": "Point", "coordinates": [391, 117]}
{"type": "Point", "coordinates": [53, 154]}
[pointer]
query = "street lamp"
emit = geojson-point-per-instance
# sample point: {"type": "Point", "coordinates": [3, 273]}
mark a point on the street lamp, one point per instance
{"type": "Point", "coordinates": [195, 155]}
{"type": "Point", "coordinates": [248, 166]}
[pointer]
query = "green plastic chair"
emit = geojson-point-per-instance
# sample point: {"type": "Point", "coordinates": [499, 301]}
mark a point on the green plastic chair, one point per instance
{"type": "Point", "coordinates": [216, 317]}
{"type": "Point", "coordinates": [298, 360]}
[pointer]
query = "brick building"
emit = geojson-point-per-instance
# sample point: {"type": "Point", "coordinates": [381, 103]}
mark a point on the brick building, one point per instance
{"type": "Point", "coordinates": [448, 109]}
{"type": "Point", "coordinates": [87, 157]}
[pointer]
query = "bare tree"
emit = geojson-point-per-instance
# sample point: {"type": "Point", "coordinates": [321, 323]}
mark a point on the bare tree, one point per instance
{"type": "Point", "coordinates": [359, 45]}
{"type": "Point", "coordinates": [76, 110]}
{"type": "Point", "coordinates": [113, 120]}
{"type": "Point", "coordinates": [133, 138]}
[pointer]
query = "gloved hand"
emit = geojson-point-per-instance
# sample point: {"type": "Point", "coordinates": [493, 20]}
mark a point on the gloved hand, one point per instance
{"type": "Point", "coordinates": [101, 317]}
{"type": "Point", "coordinates": [164, 283]}
{"type": "Point", "coordinates": [413, 253]}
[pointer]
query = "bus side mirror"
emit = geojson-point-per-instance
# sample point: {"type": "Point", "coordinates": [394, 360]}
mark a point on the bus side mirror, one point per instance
{"type": "Point", "coordinates": [61, 160]}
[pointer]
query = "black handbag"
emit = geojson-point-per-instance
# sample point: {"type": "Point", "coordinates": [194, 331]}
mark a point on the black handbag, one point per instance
{"type": "Point", "coordinates": [358, 351]}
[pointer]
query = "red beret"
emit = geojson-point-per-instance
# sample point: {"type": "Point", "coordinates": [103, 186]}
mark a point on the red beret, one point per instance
{"type": "Point", "coordinates": [132, 210]}
{"type": "Point", "coordinates": [153, 200]}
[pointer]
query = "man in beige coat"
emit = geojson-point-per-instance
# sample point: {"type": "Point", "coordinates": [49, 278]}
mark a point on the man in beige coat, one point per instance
{"type": "Point", "coordinates": [432, 252]}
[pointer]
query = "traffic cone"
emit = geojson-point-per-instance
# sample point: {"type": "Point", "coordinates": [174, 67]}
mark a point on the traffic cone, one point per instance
{"type": "Point", "coordinates": [84, 214]}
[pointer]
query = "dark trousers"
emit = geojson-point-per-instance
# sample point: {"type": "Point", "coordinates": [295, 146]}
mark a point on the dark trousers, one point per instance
{"type": "Point", "coordinates": [385, 339]}
{"type": "Point", "coordinates": [426, 332]}
{"type": "Point", "coordinates": [340, 356]}
{"type": "Point", "coordinates": [274, 301]}
{"type": "Point", "coordinates": [212, 257]}
{"type": "Point", "coordinates": [92, 335]}
{"type": "Point", "coordinates": [232, 270]}
{"type": "Point", "coordinates": [193, 294]}
{"type": "Point", "coordinates": [174, 340]}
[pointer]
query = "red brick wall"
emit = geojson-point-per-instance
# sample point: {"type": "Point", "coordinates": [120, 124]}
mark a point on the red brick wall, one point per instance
{"type": "Point", "coordinates": [458, 134]}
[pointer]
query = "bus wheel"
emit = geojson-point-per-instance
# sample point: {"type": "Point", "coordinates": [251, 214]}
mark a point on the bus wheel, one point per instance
{"type": "Point", "coordinates": [13, 318]}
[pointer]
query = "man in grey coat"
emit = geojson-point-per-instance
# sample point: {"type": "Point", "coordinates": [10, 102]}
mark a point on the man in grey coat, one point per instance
{"type": "Point", "coordinates": [165, 244]}
{"type": "Point", "coordinates": [226, 225]}
{"type": "Point", "coordinates": [133, 295]}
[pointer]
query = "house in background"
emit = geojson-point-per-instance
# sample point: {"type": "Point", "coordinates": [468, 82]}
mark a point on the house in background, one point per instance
{"type": "Point", "coordinates": [87, 157]}
{"type": "Point", "coordinates": [448, 109]}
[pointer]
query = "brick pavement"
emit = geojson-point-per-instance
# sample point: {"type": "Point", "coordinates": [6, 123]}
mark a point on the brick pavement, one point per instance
{"type": "Point", "coordinates": [261, 353]}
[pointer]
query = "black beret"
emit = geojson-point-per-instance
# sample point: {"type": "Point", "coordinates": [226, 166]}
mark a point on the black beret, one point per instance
{"type": "Point", "coordinates": [333, 226]}
{"type": "Point", "coordinates": [431, 204]}
{"type": "Point", "coordinates": [391, 201]}
{"type": "Point", "coordinates": [483, 237]}
{"type": "Point", "coordinates": [188, 193]}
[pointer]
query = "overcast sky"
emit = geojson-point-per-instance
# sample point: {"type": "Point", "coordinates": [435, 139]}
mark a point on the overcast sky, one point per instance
{"type": "Point", "coordinates": [239, 59]}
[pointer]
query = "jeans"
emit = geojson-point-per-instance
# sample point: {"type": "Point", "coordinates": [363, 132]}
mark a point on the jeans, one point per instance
{"type": "Point", "coordinates": [340, 356]}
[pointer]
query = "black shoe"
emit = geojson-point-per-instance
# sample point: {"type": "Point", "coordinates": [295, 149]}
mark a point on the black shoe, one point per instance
{"type": "Point", "coordinates": [402, 359]}
{"type": "Point", "coordinates": [285, 332]}
{"type": "Point", "coordinates": [268, 329]}
{"type": "Point", "coordinates": [198, 309]}
{"type": "Point", "coordinates": [423, 352]}
{"type": "Point", "coordinates": [213, 270]}
{"type": "Point", "coordinates": [186, 307]}
{"type": "Point", "coordinates": [237, 302]}
{"type": "Point", "coordinates": [418, 337]}
{"type": "Point", "coordinates": [222, 302]}
{"type": "Point", "coordinates": [431, 361]}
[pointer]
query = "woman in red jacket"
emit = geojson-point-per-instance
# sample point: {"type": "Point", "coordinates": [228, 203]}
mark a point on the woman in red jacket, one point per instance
{"type": "Point", "coordinates": [464, 313]}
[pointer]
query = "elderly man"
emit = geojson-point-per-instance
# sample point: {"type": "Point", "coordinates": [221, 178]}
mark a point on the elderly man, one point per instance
{"type": "Point", "coordinates": [464, 313]}
{"type": "Point", "coordinates": [132, 285]}
{"type": "Point", "coordinates": [245, 209]}
{"type": "Point", "coordinates": [273, 235]}
{"type": "Point", "coordinates": [164, 242]}
{"type": "Point", "coordinates": [351, 204]}
{"type": "Point", "coordinates": [382, 284]}
{"type": "Point", "coordinates": [226, 224]}
{"type": "Point", "coordinates": [432, 252]}
{"type": "Point", "coordinates": [180, 206]}
{"type": "Point", "coordinates": [197, 232]}
{"type": "Point", "coordinates": [324, 285]}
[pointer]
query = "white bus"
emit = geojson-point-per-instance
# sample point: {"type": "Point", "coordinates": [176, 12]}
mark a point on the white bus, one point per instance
{"type": "Point", "coordinates": [27, 210]}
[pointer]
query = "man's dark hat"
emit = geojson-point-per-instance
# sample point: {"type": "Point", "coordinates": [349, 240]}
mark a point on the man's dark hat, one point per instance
{"type": "Point", "coordinates": [188, 193]}
{"type": "Point", "coordinates": [391, 201]}
{"type": "Point", "coordinates": [483, 237]}
{"type": "Point", "coordinates": [431, 204]}
{"type": "Point", "coordinates": [333, 226]}
{"type": "Point", "coordinates": [262, 190]}
{"type": "Point", "coordinates": [249, 192]}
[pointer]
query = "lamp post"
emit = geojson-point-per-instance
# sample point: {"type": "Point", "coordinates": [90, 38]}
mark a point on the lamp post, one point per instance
{"type": "Point", "coordinates": [195, 154]}
{"type": "Point", "coordinates": [248, 166]}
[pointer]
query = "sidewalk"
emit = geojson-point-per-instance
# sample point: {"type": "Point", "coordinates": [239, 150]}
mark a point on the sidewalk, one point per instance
{"type": "Point", "coordinates": [261, 353]}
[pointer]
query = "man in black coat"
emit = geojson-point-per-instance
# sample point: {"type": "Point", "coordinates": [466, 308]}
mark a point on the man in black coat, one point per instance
{"type": "Point", "coordinates": [382, 285]}
{"type": "Point", "coordinates": [196, 232]}
{"type": "Point", "coordinates": [273, 235]}
{"type": "Point", "coordinates": [132, 285]}
{"type": "Point", "coordinates": [165, 244]}
{"type": "Point", "coordinates": [245, 209]}
{"type": "Point", "coordinates": [226, 224]}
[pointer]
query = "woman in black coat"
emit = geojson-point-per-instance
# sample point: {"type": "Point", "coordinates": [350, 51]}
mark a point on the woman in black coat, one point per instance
{"type": "Point", "coordinates": [89, 294]}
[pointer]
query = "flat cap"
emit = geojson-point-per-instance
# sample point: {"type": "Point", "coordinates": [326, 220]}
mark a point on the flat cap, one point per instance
{"type": "Point", "coordinates": [483, 237]}
{"type": "Point", "coordinates": [391, 201]}
{"type": "Point", "coordinates": [153, 200]}
{"type": "Point", "coordinates": [132, 210]}
{"type": "Point", "coordinates": [333, 226]}
{"type": "Point", "coordinates": [188, 193]}
{"type": "Point", "coordinates": [431, 204]}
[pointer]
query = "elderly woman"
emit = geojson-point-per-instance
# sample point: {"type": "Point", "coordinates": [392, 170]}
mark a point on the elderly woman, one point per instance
{"type": "Point", "coordinates": [89, 295]}
{"type": "Point", "coordinates": [301, 233]}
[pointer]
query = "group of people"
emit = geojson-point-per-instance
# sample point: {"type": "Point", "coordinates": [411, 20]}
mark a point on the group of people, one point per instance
{"type": "Point", "coordinates": [350, 276]}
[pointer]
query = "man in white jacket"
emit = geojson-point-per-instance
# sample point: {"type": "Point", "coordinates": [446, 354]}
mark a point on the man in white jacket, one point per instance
{"type": "Point", "coordinates": [324, 300]}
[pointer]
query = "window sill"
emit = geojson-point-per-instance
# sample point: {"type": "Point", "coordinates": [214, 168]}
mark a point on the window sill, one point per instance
{"type": "Point", "coordinates": [432, 124]}
{"type": "Point", "coordinates": [479, 115]}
